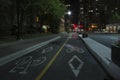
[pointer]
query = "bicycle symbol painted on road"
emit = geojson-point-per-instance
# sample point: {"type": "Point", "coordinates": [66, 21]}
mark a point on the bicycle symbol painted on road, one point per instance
{"type": "Point", "coordinates": [22, 65]}
{"type": "Point", "coordinates": [71, 48]}
{"type": "Point", "coordinates": [46, 50]}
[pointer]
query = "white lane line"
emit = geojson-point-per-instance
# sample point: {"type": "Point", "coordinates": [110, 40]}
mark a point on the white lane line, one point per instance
{"type": "Point", "coordinates": [77, 70]}
{"type": "Point", "coordinates": [70, 37]}
{"type": "Point", "coordinates": [9, 58]}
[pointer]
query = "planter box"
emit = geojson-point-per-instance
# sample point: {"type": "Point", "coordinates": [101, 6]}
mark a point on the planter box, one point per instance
{"type": "Point", "coordinates": [115, 55]}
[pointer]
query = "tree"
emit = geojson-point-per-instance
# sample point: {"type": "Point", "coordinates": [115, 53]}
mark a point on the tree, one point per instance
{"type": "Point", "coordinates": [115, 18]}
{"type": "Point", "coordinates": [53, 7]}
{"type": "Point", "coordinates": [50, 11]}
{"type": "Point", "coordinates": [22, 13]}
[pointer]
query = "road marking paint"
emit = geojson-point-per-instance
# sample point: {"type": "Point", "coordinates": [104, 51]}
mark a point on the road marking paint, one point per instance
{"type": "Point", "coordinates": [76, 71]}
{"type": "Point", "coordinates": [22, 64]}
{"type": "Point", "coordinates": [25, 70]}
{"type": "Point", "coordinates": [50, 63]}
{"type": "Point", "coordinates": [70, 37]}
{"type": "Point", "coordinates": [71, 48]}
{"type": "Point", "coordinates": [9, 58]}
{"type": "Point", "coordinates": [38, 61]}
{"type": "Point", "coordinates": [46, 50]}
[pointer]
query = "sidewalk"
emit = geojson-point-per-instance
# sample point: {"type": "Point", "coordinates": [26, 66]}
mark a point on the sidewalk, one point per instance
{"type": "Point", "coordinates": [103, 55]}
{"type": "Point", "coordinates": [11, 51]}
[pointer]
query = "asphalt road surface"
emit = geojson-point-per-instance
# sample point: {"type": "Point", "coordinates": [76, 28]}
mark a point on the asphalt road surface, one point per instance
{"type": "Point", "coordinates": [63, 59]}
{"type": "Point", "coordinates": [105, 39]}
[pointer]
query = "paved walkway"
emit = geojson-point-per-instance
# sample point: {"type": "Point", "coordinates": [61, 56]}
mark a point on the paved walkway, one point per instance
{"type": "Point", "coordinates": [101, 50]}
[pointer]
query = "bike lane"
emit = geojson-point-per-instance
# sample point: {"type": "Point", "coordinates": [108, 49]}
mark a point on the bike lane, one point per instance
{"type": "Point", "coordinates": [74, 62]}
{"type": "Point", "coordinates": [29, 66]}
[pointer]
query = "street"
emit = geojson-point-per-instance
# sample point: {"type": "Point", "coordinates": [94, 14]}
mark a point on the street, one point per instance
{"type": "Point", "coordinates": [105, 39]}
{"type": "Point", "coordinates": [63, 59]}
{"type": "Point", "coordinates": [59, 40]}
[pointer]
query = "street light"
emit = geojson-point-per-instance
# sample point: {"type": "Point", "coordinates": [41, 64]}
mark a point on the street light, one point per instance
{"type": "Point", "coordinates": [67, 20]}
{"type": "Point", "coordinates": [69, 12]}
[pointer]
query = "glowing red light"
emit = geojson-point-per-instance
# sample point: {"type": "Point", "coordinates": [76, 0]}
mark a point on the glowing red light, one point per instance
{"type": "Point", "coordinates": [81, 26]}
{"type": "Point", "coordinates": [74, 26]}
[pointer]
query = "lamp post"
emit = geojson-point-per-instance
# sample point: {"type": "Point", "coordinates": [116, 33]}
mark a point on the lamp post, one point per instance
{"type": "Point", "coordinates": [67, 19]}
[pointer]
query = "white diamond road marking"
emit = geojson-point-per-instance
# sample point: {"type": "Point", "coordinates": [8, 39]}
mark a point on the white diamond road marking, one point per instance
{"type": "Point", "coordinates": [75, 71]}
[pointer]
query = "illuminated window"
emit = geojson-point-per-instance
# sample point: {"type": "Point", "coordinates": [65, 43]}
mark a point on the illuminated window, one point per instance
{"type": "Point", "coordinates": [116, 8]}
{"type": "Point", "coordinates": [82, 12]}
{"type": "Point", "coordinates": [37, 19]}
{"type": "Point", "coordinates": [80, 0]}
{"type": "Point", "coordinates": [81, 8]}
{"type": "Point", "coordinates": [90, 11]}
{"type": "Point", "coordinates": [96, 9]}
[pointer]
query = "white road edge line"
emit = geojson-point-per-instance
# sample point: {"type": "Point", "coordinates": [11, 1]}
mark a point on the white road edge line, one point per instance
{"type": "Point", "coordinates": [9, 58]}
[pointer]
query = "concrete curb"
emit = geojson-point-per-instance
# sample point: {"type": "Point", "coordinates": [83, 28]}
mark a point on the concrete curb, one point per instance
{"type": "Point", "coordinates": [18, 54]}
{"type": "Point", "coordinates": [111, 69]}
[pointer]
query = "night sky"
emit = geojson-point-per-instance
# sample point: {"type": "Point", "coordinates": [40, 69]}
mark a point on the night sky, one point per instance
{"type": "Point", "coordinates": [75, 5]}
